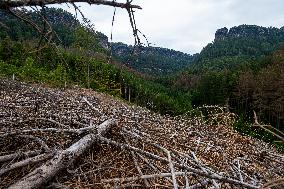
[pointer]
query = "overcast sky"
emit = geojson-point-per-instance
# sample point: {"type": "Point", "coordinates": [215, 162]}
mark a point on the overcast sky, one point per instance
{"type": "Point", "coordinates": [184, 25]}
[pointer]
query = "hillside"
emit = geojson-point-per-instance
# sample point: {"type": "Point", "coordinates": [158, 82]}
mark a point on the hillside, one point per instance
{"type": "Point", "coordinates": [151, 60]}
{"type": "Point", "coordinates": [65, 29]}
{"type": "Point", "coordinates": [146, 60]}
{"type": "Point", "coordinates": [238, 46]}
{"type": "Point", "coordinates": [231, 49]}
{"type": "Point", "coordinates": [242, 68]}
{"type": "Point", "coordinates": [51, 126]}
{"type": "Point", "coordinates": [75, 113]}
{"type": "Point", "coordinates": [215, 76]}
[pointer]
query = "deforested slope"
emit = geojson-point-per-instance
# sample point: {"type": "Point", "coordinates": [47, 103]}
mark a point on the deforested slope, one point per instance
{"type": "Point", "coordinates": [134, 147]}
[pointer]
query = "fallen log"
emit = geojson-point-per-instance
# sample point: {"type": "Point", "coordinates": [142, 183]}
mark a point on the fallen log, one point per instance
{"type": "Point", "coordinates": [26, 162]}
{"type": "Point", "coordinates": [16, 155]}
{"type": "Point", "coordinates": [61, 160]}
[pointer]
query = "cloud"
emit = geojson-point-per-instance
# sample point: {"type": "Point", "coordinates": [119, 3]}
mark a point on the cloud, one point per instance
{"type": "Point", "coordinates": [185, 25]}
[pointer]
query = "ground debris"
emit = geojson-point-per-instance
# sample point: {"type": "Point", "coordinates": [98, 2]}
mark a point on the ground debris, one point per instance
{"type": "Point", "coordinates": [145, 149]}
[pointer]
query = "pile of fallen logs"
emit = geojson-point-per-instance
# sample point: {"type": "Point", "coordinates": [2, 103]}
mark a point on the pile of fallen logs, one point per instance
{"type": "Point", "coordinates": [78, 138]}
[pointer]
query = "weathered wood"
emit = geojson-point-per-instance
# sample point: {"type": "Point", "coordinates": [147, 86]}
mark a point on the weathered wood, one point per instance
{"type": "Point", "coordinates": [189, 169]}
{"type": "Point", "coordinates": [200, 185]}
{"type": "Point", "coordinates": [61, 160]}
{"type": "Point", "coordinates": [26, 162]}
{"type": "Point", "coordinates": [10, 157]}
{"type": "Point", "coordinates": [4, 4]}
{"type": "Point", "coordinates": [171, 166]}
{"type": "Point", "coordinates": [130, 179]}
{"type": "Point", "coordinates": [137, 165]}
{"type": "Point", "coordinates": [274, 183]}
{"type": "Point", "coordinates": [96, 110]}
{"type": "Point", "coordinates": [204, 170]}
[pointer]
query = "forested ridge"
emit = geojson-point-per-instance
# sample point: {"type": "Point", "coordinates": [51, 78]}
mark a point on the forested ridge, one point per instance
{"type": "Point", "coordinates": [58, 129]}
{"type": "Point", "coordinates": [242, 68]}
{"type": "Point", "coordinates": [82, 60]}
{"type": "Point", "coordinates": [152, 61]}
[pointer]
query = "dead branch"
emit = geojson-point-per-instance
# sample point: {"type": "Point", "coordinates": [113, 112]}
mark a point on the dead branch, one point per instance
{"type": "Point", "coordinates": [23, 163]}
{"type": "Point", "coordinates": [61, 160]}
{"type": "Point", "coordinates": [190, 169]}
{"type": "Point", "coordinates": [4, 4]}
{"type": "Point", "coordinates": [57, 186]}
{"type": "Point", "coordinates": [17, 155]}
{"type": "Point", "coordinates": [96, 110]}
{"type": "Point", "coordinates": [204, 170]}
{"type": "Point", "coordinates": [131, 179]}
{"type": "Point", "coordinates": [123, 186]}
{"type": "Point", "coordinates": [199, 185]}
{"type": "Point", "coordinates": [56, 130]}
{"type": "Point", "coordinates": [137, 165]}
{"type": "Point", "coordinates": [186, 180]}
{"type": "Point", "coordinates": [172, 169]}
{"type": "Point", "coordinates": [269, 129]}
{"type": "Point", "coordinates": [37, 140]}
{"type": "Point", "coordinates": [146, 135]}
{"type": "Point", "coordinates": [152, 166]}
{"type": "Point", "coordinates": [274, 183]}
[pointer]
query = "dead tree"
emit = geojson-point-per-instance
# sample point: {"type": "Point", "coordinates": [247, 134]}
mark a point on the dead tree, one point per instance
{"type": "Point", "coordinates": [7, 4]}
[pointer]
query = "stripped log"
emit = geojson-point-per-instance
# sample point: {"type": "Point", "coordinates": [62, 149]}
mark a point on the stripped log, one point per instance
{"type": "Point", "coordinates": [10, 157]}
{"type": "Point", "coordinates": [26, 162]}
{"type": "Point", "coordinates": [61, 160]}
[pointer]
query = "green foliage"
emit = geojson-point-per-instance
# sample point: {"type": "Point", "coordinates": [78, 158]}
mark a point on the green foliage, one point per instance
{"type": "Point", "coordinates": [69, 32]}
{"type": "Point", "coordinates": [58, 76]}
{"type": "Point", "coordinates": [60, 67]}
{"type": "Point", "coordinates": [151, 60]}
{"type": "Point", "coordinates": [243, 126]}
{"type": "Point", "coordinates": [86, 39]}
{"type": "Point", "coordinates": [240, 69]}
{"type": "Point", "coordinates": [7, 69]}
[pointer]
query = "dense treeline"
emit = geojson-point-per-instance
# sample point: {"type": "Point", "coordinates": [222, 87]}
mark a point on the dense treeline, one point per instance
{"type": "Point", "coordinates": [66, 29]}
{"type": "Point", "coordinates": [81, 66]}
{"type": "Point", "coordinates": [263, 91]}
{"type": "Point", "coordinates": [242, 68]}
{"type": "Point", "coordinates": [151, 60]}
{"type": "Point", "coordinates": [227, 73]}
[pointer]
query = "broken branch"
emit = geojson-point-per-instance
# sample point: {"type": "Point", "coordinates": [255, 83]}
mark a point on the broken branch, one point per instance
{"type": "Point", "coordinates": [4, 4]}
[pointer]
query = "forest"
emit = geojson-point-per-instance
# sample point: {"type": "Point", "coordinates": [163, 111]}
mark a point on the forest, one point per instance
{"type": "Point", "coordinates": [240, 74]}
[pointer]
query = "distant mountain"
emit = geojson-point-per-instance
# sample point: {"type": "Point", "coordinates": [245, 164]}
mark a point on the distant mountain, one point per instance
{"type": "Point", "coordinates": [241, 68]}
{"type": "Point", "coordinates": [249, 31]}
{"type": "Point", "coordinates": [151, 60]}
{"type": "Point", "coordinates": [250, 40]}
{"type": "Point", "coordinates": [62, 22]}
{"type": "Point", "coordinates": [239, 45]}
{"type": "Point", "coordinates": [146, 60]}
{"type": "Point", "coordinates": [67, 31]}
